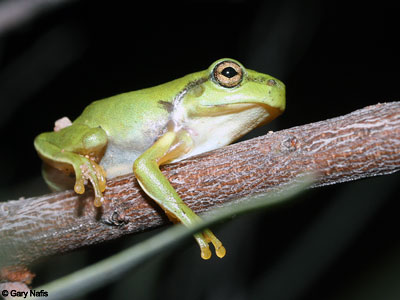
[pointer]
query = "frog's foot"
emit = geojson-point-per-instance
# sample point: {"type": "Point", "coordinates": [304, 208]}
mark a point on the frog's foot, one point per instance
{"type": "Point", "coordinates": [203, 239]}
{"type": "Point", "coordinates": [86, 169]}
{"type": "Point", "coordinates": [206, 237]}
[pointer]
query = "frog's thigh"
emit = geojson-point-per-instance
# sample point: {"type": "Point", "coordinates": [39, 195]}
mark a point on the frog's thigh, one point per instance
{"type": "Point", "coordinates": [71, 149]}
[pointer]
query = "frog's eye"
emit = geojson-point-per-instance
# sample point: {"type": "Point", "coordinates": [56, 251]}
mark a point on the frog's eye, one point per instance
{"type": "Point", "coordinates": [228, 73]}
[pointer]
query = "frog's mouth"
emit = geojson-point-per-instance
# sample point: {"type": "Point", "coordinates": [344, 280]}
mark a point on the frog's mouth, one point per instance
{"type": "Point", "coordinates": [235, 108]}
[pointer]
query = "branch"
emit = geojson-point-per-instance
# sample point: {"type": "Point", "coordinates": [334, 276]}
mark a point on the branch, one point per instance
{"type": "Point", "coordinates": [361, 144]}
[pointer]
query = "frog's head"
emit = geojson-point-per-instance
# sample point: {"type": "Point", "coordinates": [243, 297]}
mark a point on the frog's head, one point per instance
{"type": "Point", "coordinates": [226, 87]}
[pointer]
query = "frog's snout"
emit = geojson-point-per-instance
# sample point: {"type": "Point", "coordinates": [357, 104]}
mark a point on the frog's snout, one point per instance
{"type": "Point", "coordinates": [276, 94]}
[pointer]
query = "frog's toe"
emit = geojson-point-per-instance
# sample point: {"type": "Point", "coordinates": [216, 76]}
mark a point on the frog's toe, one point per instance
{"type": "Point", "coordinates": [206, 237]}
{"type": "Point", "coordinates": [101, 176]}
{"type": "Point", "coordinates": [219, 248]}
{"type": "Point", "coordinates": [97, 188]}
{"type": "Point", "coordinates": [98, 201]}
{"type": "Point", "coordinates": [79, 186]}
{"type": "Point", "coordinates": [85, 171]}
{"type": "Point", "coordinates": [204, 248]}
{"type": "Point", "coordinates": [98, 184]}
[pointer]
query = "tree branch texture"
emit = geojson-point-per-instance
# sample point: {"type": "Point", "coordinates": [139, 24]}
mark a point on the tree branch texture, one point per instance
{"type": "Point", "coordinates": [364, 143]}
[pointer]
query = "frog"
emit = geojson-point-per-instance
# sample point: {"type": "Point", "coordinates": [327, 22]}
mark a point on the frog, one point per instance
{"type": "Point", "coordinates": [140, 131]}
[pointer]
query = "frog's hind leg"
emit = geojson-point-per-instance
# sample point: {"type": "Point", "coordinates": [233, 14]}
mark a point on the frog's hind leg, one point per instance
{"type": "Point", "coordinates": [146, 168]}
{"type": "Point", "coordinates": [75, 149]}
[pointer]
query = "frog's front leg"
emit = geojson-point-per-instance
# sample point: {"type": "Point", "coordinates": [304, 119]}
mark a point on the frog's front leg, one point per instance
{"type": "Point", "coordinates": [76, 149]}
{"type": "Point", "coordinates": [146, 168]}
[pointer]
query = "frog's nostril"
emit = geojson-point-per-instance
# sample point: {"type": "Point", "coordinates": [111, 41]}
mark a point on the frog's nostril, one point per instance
{"type": "Point", "coordinates": [271, 82]}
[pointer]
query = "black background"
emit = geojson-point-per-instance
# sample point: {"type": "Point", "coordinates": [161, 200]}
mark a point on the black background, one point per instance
{"type": "Point", "coordinates": [338, 242]}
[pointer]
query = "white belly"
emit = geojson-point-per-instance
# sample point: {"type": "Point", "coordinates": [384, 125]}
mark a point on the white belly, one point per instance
{"type": "Point", "coordinates": [124, 148]}
{"type": "Point", "coordinates": [119, 160]}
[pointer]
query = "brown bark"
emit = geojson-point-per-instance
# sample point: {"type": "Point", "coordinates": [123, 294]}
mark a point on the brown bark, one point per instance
{"type": "Point", "coordinates": [361, 144]}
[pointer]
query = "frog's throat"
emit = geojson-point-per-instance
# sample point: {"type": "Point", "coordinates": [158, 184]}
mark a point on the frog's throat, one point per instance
{"type": "Point", "coordinates": [226, 109]}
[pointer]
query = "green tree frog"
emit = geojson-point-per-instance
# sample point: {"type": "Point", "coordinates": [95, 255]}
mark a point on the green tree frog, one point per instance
{"type": "Point", "coordinates": [144, 129]}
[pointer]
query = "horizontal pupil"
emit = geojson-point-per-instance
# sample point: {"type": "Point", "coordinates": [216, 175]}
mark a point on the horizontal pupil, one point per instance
{"type": "Point", "coordinates": [229, 72]}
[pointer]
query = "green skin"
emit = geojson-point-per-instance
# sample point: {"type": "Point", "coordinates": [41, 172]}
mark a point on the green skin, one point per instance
{"type": "Point", "coordinates": [144, 129]}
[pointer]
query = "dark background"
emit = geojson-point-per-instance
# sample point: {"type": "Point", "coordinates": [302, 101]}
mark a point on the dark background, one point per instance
{"type": "Point", "coordinates": [338, 242]}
